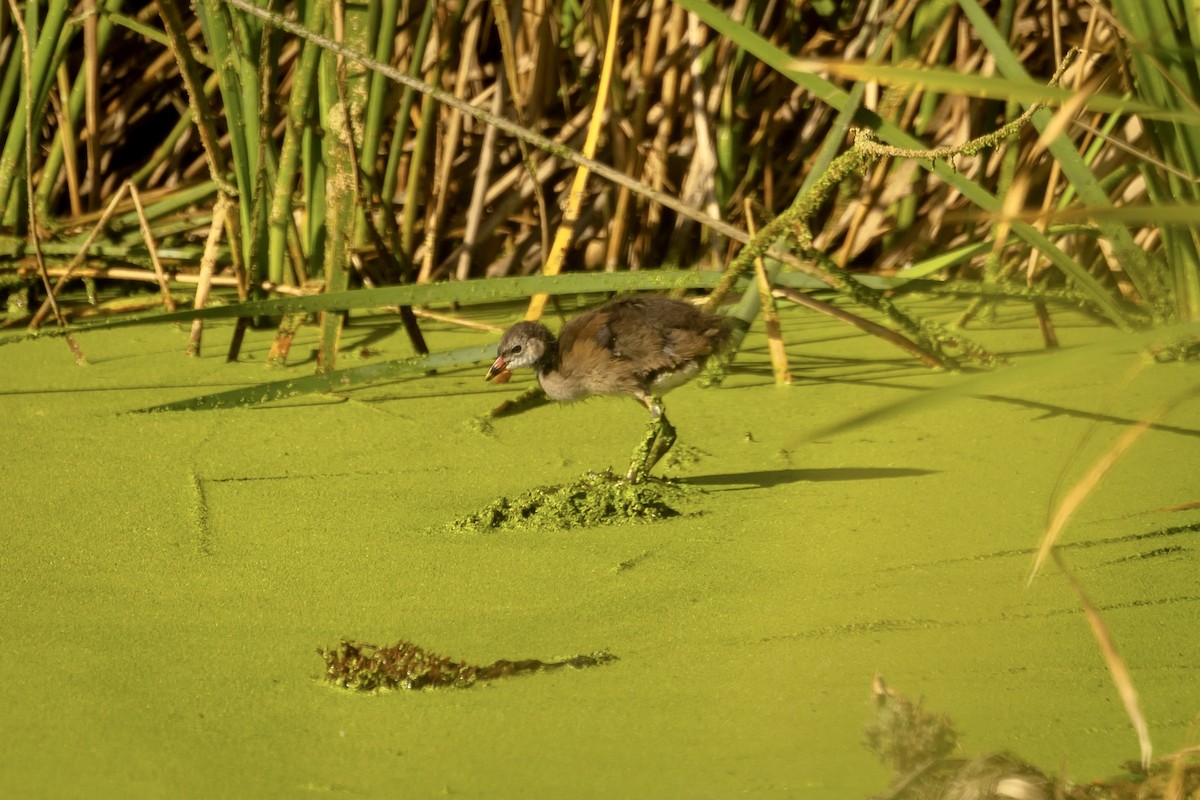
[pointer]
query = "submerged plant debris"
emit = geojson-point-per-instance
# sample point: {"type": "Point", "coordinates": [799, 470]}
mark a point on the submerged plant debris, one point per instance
{"type": "Point", "coordinates": [363, 667]}
{"type": "Point", "coordinates": [903, 734]}
{"type": "Point", "coordinates": [596, 498]}
{"type": "Point", "coordinates": [921, 746]}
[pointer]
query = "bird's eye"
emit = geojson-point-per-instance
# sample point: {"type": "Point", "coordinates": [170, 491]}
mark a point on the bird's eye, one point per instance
{"type": "Point", "coordinates": [516, 348]}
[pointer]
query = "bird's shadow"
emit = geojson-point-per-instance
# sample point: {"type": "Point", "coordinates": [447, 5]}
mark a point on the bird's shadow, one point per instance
{"type": "Point", "coordinates": [764, 479]}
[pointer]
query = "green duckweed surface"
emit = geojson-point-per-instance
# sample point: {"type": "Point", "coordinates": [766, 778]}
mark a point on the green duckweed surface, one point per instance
{"type": "Point", "coordinates": [167, 577]}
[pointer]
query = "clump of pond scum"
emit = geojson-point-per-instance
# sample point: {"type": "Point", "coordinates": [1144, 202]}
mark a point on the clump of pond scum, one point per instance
{"type": "Point", "coordinates": [596, 498]}
{"type": "Point", "coordinates": [362, 667]}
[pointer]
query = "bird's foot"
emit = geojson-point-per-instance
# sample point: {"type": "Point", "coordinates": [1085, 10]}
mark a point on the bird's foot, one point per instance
{"type": "Point", "coordinates": [660, 436]}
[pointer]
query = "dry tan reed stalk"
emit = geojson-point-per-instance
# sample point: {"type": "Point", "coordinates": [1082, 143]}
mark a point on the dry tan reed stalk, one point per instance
{"type": "Point", "coordinates": [1175, 783]}
{"type": "Point", "coordinates": [67, 134]}
{"type": "Point", "coordinates": [511, 74]}
{"type": "Point", "coordinates": [447, 150]}
{"type": "Point", "coordinates": [446, 98]}
{"type": "Point", "coordinates": [1058, 125]}
{"type": "Point", "coordinates": [669, 92]}
{"type": "Point", "coordinates": [207, 266]}
{"type": "Point", "coordinates": [865, 325]}
{"type": "Point", "coordinates": [770, 314]}
{"type": "Point", "coordinates": [52, 293]}
{"type": "Point", "coordinates": [462, 322]}
{"type": "Point", "coordinates": [699, 182]}
{"type": "Point", "coordinates": [633, 155]}
{"type": "Point", "coordinates": [783, 126]}
{"type": "Point", "coordinates": [487, 155]}
{"type": "Point", "coordinates": [151, 247]}
{"type": "Point", "coordinates": [506, 202]}
{"type": "Point", "coordinates": [865, 219]}
{"type": "Point", "coordinates": [1060, 517]}
{"type": "Point", "coordinates": [566, 134]}
{"type": "Point", "coordinates": [148, 276]}
{"type": "Point", "coordinates": [1116, 665]}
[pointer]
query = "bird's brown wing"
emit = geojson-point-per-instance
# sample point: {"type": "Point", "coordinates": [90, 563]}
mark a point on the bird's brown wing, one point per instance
{"type": "Point", "coordinates": [587, 361]}
{"type": "Point", "coordinates": [631, 341]}
{"type": "Point", "coordinates": [660, 334]}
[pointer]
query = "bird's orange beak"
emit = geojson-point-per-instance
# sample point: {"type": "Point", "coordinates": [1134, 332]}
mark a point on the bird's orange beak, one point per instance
{"type": "Point", "coordinates": [499, 371]}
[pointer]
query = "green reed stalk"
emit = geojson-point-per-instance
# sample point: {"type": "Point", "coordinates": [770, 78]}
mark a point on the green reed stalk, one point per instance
{"type": "Point", "coordinates": [343, 95]}
{"type": "Point", "coordinates": [300, 103]}
{"type": "Point", "coordinates": [1145, 273]}
{"type": "Point", "coordinates": [42, 77]}
{"type": "Point", "coordinates": [1164, 40]}
{"type": "Point", "coordinates": [383, 22]}
{"type": "Point", "coordinates": [400, 121]}
{"type": "Point", "coordinates": [55, 159]}
{"type": "Point", "coordinates": [240, 105]}
{"type": "Point", "coordinates": [425, 139]}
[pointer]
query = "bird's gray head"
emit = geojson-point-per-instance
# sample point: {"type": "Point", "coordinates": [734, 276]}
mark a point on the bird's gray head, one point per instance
{"type": "Point", "coordinates": [526, 344]}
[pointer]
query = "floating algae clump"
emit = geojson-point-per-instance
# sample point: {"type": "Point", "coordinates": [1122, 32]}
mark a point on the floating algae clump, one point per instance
{"type": "Point", "coordinates": [923, 750]}
{"type": "Point", "coordinates": [363, 667]}
{"type": "Point", "coordinates": [597, 498]}
{"type": "Point", "coordinates": [903, 734]}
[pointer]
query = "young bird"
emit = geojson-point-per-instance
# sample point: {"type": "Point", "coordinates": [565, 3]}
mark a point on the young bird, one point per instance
{"type": "Point", "coordinates": [639, 346]}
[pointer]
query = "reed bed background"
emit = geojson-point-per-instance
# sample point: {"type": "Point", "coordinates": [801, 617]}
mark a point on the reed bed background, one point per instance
{"type": "Point", "coordinates": [152, 122]}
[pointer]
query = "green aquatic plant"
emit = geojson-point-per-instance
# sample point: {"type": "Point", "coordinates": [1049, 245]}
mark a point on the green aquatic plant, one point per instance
{"type": "Point", "coordinates": [596, 498]}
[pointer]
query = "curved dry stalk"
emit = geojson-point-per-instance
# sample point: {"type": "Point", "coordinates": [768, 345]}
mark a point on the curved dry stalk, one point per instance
{"type": "Point", "coordinates": [1116, 665]}
{"type": "Point", "coordinates": [1084, 487]}
{"type": "Point", "coordinates": [863, 324]}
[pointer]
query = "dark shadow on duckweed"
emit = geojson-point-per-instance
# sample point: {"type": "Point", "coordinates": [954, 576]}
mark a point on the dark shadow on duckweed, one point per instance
{"type": "Point", "coordinates": [765, 479]}
{"type": "Point", "coordinates": [363, 667]}
{"type": "Point", "coordinates": [596, 498]}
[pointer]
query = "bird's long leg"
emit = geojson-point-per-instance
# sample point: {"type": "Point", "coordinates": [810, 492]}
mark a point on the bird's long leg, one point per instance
{"type": "Point", "coordinates": [660, 436]}
{"type": "Point", "coordinates": [663, 442]}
